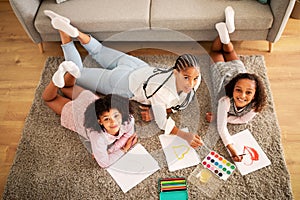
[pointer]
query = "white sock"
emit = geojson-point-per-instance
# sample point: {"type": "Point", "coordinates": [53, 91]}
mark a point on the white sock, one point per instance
{"type": "Point", "coordinates": [229, 16]}
{"type": "Point", "coordinates": [53, 15]}
{"type": "Point", "coordinates": [62, 25]}
{"type": "Point", "coordinates": [223, 32]}
{"type": "Point", "coordinates": [58, 77]}
{"type": "Point", "coordinates": [72, 68]}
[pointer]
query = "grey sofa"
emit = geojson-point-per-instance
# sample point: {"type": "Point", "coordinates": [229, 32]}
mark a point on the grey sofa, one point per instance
{"type": "Point", "coordinates": [157, 19]}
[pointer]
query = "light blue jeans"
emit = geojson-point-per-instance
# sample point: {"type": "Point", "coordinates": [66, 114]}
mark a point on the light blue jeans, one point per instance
{"type": "Point", "coordinates": [112, 78]}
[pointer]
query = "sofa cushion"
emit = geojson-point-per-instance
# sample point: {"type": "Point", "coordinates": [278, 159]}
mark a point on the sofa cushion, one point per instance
{"type": "Point", "coordinates": [97, 15]}
{"type": "Point", "coordinates": [204, 14]}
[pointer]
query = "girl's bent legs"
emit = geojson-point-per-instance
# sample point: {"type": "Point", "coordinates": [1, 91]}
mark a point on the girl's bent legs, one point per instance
{"type": "Point", "coordinates": [110, 58]}
{"type": "Point", "coordinates": [69, 49]}
{"type": "Point", "coordinates": [52, 99]}
{"type": "Point", "coordinates": [83, 38]}
{"type": "Point", "coordinates": [50, 92]}
{"type": "Point", "coordinates": [216, 52]}
{"type": "Point", "coordinates": [95, 79]}
{"type": "Point", "coordinates": [229, 52]}
{"type": "Point", "coordinates": [69, 80]}
{"type": "Point", "coordinates": [65, 38]}
{"type": "Point", "coordinates": [57, 104]}
{"type": "Point", "coordinates": [71, 53]}
{"type": "Point", "coordinates": [90, 78]}
{"type": "Point", "coordinates": [106, 81]}
{"type": "Point", "coordinates": [72, 92]}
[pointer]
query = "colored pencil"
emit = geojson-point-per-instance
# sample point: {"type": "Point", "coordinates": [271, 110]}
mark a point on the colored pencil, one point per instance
{"type": "Point", "coordinates": [172, 179]}
{"type": "Point", "coordinates": [172, 189]}
{"type": "Point", "coordinates": [172, 182]}
{"type": "Point", "coordinates": [173, 185]}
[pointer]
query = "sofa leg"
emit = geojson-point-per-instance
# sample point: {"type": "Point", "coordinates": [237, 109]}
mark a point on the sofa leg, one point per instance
{"type": "Point", "coordinates": [40, 45]}
{"type": "Point", "coordinates": [271, 45]}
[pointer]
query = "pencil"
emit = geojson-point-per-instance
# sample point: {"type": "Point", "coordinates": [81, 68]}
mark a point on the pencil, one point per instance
{"type": "Point", "coordinates": [173, 182]}
{"type": "Point", "coordinates": [172, 185]}
{"type": "Point", "coordinates": [173, 189]}
{"type": "Point", "coordinates": [171, 179]}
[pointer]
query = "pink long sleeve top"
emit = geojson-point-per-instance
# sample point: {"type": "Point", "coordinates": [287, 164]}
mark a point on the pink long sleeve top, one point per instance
{"type": "Point", "coordinates": [106, 148]}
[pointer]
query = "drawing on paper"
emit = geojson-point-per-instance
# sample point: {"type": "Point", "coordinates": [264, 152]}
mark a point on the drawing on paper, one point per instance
{"type": "Point", "coordinates": [180, 151]}
{"type": "Point", "coordinates": [255, 157]}
{"type": "Point", "coordinates": [251, 155]}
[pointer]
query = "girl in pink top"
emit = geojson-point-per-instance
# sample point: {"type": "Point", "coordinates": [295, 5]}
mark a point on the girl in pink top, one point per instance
{"type": "Point", "coordinates": [244, 94]}
{"type": "Point", "coordinates": [107, 123]}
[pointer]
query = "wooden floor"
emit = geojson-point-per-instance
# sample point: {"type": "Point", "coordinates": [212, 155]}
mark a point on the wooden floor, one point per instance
{"type": "Point", "coordinates": [21, 64]}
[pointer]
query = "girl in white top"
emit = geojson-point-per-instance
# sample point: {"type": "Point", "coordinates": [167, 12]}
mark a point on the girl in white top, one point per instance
{"type": "Point", "coordinates": [244, 92]}
{"type": "Point", "coordinates": [107, 123]}
{"type": "Point", "coordinates": [131, 77]}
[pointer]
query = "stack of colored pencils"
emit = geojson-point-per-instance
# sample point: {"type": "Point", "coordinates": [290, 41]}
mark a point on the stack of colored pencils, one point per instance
{"type": "Point", "coordinates": [172, 184]}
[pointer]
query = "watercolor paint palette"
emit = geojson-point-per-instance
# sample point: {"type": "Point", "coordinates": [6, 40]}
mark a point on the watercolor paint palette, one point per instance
{"type": "Point", "coordinates": [218, 165]}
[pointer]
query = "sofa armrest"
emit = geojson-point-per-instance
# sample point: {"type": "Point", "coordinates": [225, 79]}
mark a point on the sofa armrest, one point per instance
{"type": "Point", "coordinates": [281, 10]}
{"type": "Point", "coordinates": [26, 10]}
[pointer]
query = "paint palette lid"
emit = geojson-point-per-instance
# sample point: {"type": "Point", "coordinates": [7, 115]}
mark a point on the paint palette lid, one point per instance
{"type": "Point", "coordinates": [217, 164]}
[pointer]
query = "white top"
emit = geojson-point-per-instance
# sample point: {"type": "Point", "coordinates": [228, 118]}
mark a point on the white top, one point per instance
{"type": "Point", "coordinates": [223, 119]}
{"type": "Point", "coordinates": [165, 98]}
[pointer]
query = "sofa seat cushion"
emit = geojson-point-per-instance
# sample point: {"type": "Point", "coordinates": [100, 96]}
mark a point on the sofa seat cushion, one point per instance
{"type": "Point", "coordinates": [96, 15]}
{"type": "Point", "coordinates": [204, 14]}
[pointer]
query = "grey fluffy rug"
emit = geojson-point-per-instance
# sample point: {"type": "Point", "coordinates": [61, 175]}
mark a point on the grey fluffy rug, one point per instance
{"type": "Point", "coordinates": [51, 162]}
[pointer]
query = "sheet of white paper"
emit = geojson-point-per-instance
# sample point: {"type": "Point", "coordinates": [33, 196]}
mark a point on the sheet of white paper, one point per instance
{"type": "Point", "coordinates": [179, 154]}
{"type": "Point", "coordinates": [133, 168]}
{"type": "Point", "coordinates": [255, 158]}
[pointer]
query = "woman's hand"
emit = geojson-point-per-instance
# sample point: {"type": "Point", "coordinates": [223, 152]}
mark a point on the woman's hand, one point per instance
{"type": "Point", "coordinates": [193, 139]}
{"type": "Point", "coordinates": [234, 155]}
{"type": "Point", "coordinates": [132, 140]}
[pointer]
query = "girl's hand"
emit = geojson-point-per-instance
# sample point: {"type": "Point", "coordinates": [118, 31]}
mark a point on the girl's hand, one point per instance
{"type": "Point", "coordinates": [132, 140]}
{"type": "Point", "coordinates": [193, 139]}
{"type": "Point", "coordinates": [209, 117]}
{"type": "Point", "coordinates": [234, 155]}
{"type": "Point", "coordinates": [169, 110]}
{"type": "Point", "coordinates": [196, 141]}
{"type": "Point", "coordinates": [237, 158]}
{"type": "Point", "coordinates": [146, 113]}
